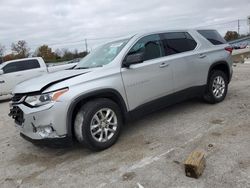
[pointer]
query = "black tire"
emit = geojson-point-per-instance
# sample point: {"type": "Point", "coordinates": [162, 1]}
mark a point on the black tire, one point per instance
{"type": "Point", "coordinates": [209, 95]}
{"type": "Point", "coordinates": [82, 124]}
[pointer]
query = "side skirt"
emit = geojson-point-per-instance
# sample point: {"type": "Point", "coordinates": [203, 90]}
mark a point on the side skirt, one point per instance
{"type": "Point", "coordinates": [152, 106]}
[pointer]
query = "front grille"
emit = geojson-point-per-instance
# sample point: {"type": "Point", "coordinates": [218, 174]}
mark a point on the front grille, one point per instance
{"type": "Point", "coordinates": [17, 114]}
{"type": "Point", "coordinates": [17, 97]}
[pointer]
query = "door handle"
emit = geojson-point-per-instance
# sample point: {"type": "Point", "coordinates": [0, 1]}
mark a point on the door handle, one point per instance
{"type": "Point", "coordinates": [163, 65]}
{"type": "Point", "coordinates": [202, 56]}
{"type": "Point", "coordinates": [2, 82]}
{"type": "Point", "coordinates": [18, 75]}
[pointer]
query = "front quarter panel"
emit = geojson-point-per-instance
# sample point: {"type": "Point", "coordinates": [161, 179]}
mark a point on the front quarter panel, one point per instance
{"type": "Point", "coordinates": [112, 82]}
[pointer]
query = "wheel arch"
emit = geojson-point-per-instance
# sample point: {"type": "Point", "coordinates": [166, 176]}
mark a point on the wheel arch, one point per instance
{"type": "Point", "coordinates": [222, 66]}
{"type": "Point", "coordinates": [111, 94]}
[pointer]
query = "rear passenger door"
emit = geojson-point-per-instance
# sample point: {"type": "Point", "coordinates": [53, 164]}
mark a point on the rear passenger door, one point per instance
{"type": "Point", "coordinates": [150, 79]}
{"type": "Point", "coordinates": [187, 63]}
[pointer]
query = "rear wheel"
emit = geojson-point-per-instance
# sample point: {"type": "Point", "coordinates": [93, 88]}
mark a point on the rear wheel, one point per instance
{"type": "Point", "coordinates": [217, 87]}
{"type": "Point", "coordinates": [98, 124]}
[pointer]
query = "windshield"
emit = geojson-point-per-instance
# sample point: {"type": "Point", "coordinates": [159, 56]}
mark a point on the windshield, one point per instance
{"type": "Point", "coordinates": [102, 55]}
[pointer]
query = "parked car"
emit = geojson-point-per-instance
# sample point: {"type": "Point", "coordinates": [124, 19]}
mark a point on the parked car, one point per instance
{"type": "Point", "coordinates": [17, 71]}
{"type": "Point", "coordinates": [243, 46]}
{"type": "Point", "coordinates": [122, 80]}
{"type": "Point", "coordinates": [236, 47]}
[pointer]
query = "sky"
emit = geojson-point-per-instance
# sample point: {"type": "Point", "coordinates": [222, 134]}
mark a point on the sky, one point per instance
{"type": "Point", "coordinates": [66, 23]}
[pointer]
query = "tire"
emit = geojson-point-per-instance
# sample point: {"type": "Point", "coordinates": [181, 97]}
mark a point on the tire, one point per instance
{"type": "Point", "coordinates": [91, 127]}
{"type": "Point", "coordinates": [217, 87]}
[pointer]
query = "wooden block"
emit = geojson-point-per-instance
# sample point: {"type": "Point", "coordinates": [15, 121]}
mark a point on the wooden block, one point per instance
{"type": "Point", "coordinates": [195, 164]}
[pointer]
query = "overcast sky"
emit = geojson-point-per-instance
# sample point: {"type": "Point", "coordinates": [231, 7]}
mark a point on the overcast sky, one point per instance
{"type": "Point", "coordinates": [63, 21]}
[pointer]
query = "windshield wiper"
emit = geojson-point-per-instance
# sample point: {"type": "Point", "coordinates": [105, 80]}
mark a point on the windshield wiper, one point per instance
{"type": "Point", "coordinates": [71, 67]}
{"type": "Point", "coordinates": [82, 68]}
{"type": "Point", "coordinates": [88, 67]}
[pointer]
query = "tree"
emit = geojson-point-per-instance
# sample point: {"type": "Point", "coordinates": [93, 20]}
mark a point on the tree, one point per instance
{"type": "Point", "coordinates": [231, 35]}
{"type": "Point", "coordinates": [59, 52]}
{"type": "Point", "coordinates": [2, 50]}
{"type": "Point", "coordinates": [20, 49]}
{"type": "Point", "coordinates": [75, 53]}
{"type": "Point", "coordinates": [9, 57]}
{"type": "Point", "coordinates": [67, 55]}
{"type": "Point", "coordinates": [46, 53]}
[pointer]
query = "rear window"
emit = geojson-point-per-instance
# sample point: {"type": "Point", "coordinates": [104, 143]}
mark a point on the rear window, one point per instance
{"type": "Point", "coordinates": [178, 42]}
{"type": "Point", "coordinates": [213, 36]}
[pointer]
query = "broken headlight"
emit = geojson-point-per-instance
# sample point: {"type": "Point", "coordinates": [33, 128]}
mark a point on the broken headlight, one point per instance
{"type": "Point", "coordinates": [45, 98]}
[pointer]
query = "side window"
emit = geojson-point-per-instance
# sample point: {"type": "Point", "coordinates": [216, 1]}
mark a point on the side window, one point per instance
{"type": "Point", "coordinates": [12, 67]}
{"type": "Point", "coordinates": [21, 66]}
{"type": "Point", "coordinates": [178, 42]}
{"type": "Point", "coordinates": [31, 64]}
{"type": "Point", "coordinates": [191, 42]}
{"type": "Point", "coordinates": [212, 36]}
{"type": "Point", "coordinates": [150, 45]}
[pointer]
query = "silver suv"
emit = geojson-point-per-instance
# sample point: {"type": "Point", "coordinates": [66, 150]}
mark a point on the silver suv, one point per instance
{"type": "Point", "coordinates": [121, 80]}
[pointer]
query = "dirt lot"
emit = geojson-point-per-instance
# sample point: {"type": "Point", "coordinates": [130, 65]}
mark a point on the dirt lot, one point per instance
{"type": "Point", "coordinates": [150, 151]}
{"type": "Point", "coordinates": [240, 55]}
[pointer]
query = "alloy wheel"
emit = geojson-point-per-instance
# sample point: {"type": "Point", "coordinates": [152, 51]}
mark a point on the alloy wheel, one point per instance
{"type": "Point", "coordinates": [219, 86]}
{"type": "Point", "coordinates": [103, 125]}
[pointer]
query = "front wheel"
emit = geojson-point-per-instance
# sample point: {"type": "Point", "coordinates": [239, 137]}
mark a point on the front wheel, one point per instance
{"type": "Point", "coordinates": [98, 124]}
{"type": "Point", "coordinates": [217, 87]}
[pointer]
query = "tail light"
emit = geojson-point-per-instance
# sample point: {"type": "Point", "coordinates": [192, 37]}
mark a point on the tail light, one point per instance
{"type": "Point", "coordinates": [229, 49]}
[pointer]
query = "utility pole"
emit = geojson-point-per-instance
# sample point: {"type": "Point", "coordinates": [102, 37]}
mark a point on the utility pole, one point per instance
{"type": "Point", "coordinates": [248, 22]}
{"type": "Point", "coordinates": [238, 27]}
{"type": "Point", "coordinates": [86, 45]}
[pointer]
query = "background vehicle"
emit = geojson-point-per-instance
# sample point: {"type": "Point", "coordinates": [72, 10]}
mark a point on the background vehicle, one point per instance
{"type": "Point", "coordinates": [236, 47]}
{"type": "Point", "coordinates": [243, 46]}
{"type": "Point", "coordinates": [120, 80]}
{"type": "Point", "coordinates": [17, 71]}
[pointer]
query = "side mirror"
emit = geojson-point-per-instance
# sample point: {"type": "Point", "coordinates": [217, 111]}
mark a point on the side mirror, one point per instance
{"type": "Point", "coordinates": [1, 72]}
{"type": "Point", "coordinates": [133, 59]}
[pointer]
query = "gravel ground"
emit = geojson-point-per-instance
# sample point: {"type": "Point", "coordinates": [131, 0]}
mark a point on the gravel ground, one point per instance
{"type": "Point", "coordinates": [150, 151]}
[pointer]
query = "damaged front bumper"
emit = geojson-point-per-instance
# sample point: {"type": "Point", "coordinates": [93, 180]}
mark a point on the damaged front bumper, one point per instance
{"type": "Point", "coordinates": [44, 124]}
{"type": "Point", "coordinates": [51, 142]}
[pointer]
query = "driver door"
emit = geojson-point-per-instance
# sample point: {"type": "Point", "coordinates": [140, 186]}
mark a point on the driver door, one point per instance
{"type": "Point", "coordinates": [151, 79]}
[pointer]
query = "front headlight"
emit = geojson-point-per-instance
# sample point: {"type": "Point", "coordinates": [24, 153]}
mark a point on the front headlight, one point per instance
{"type": "Point", "coordinates": [46, 98]}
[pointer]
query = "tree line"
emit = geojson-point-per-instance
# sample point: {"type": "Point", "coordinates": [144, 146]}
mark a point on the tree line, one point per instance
{"type": "Point", "coordinates": [233, 35]}
{"type": "Point", "coordinates": [20, 50]}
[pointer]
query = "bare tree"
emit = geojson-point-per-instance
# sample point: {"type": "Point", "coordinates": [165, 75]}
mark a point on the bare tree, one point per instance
{"type": "Point", "coordinates": [20, 49]}
{"type": "Point", "coordinates": [59, 52]}
{"type": "Point", "coordinates": [2, 51]}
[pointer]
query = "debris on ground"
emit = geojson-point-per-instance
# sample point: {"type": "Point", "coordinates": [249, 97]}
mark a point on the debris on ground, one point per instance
{"type": "Point", "coordinates": [195, 164]}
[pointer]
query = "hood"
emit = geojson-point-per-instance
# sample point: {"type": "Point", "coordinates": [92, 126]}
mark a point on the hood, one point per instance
{"type": "Point", "coordinates": [42, 82]}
